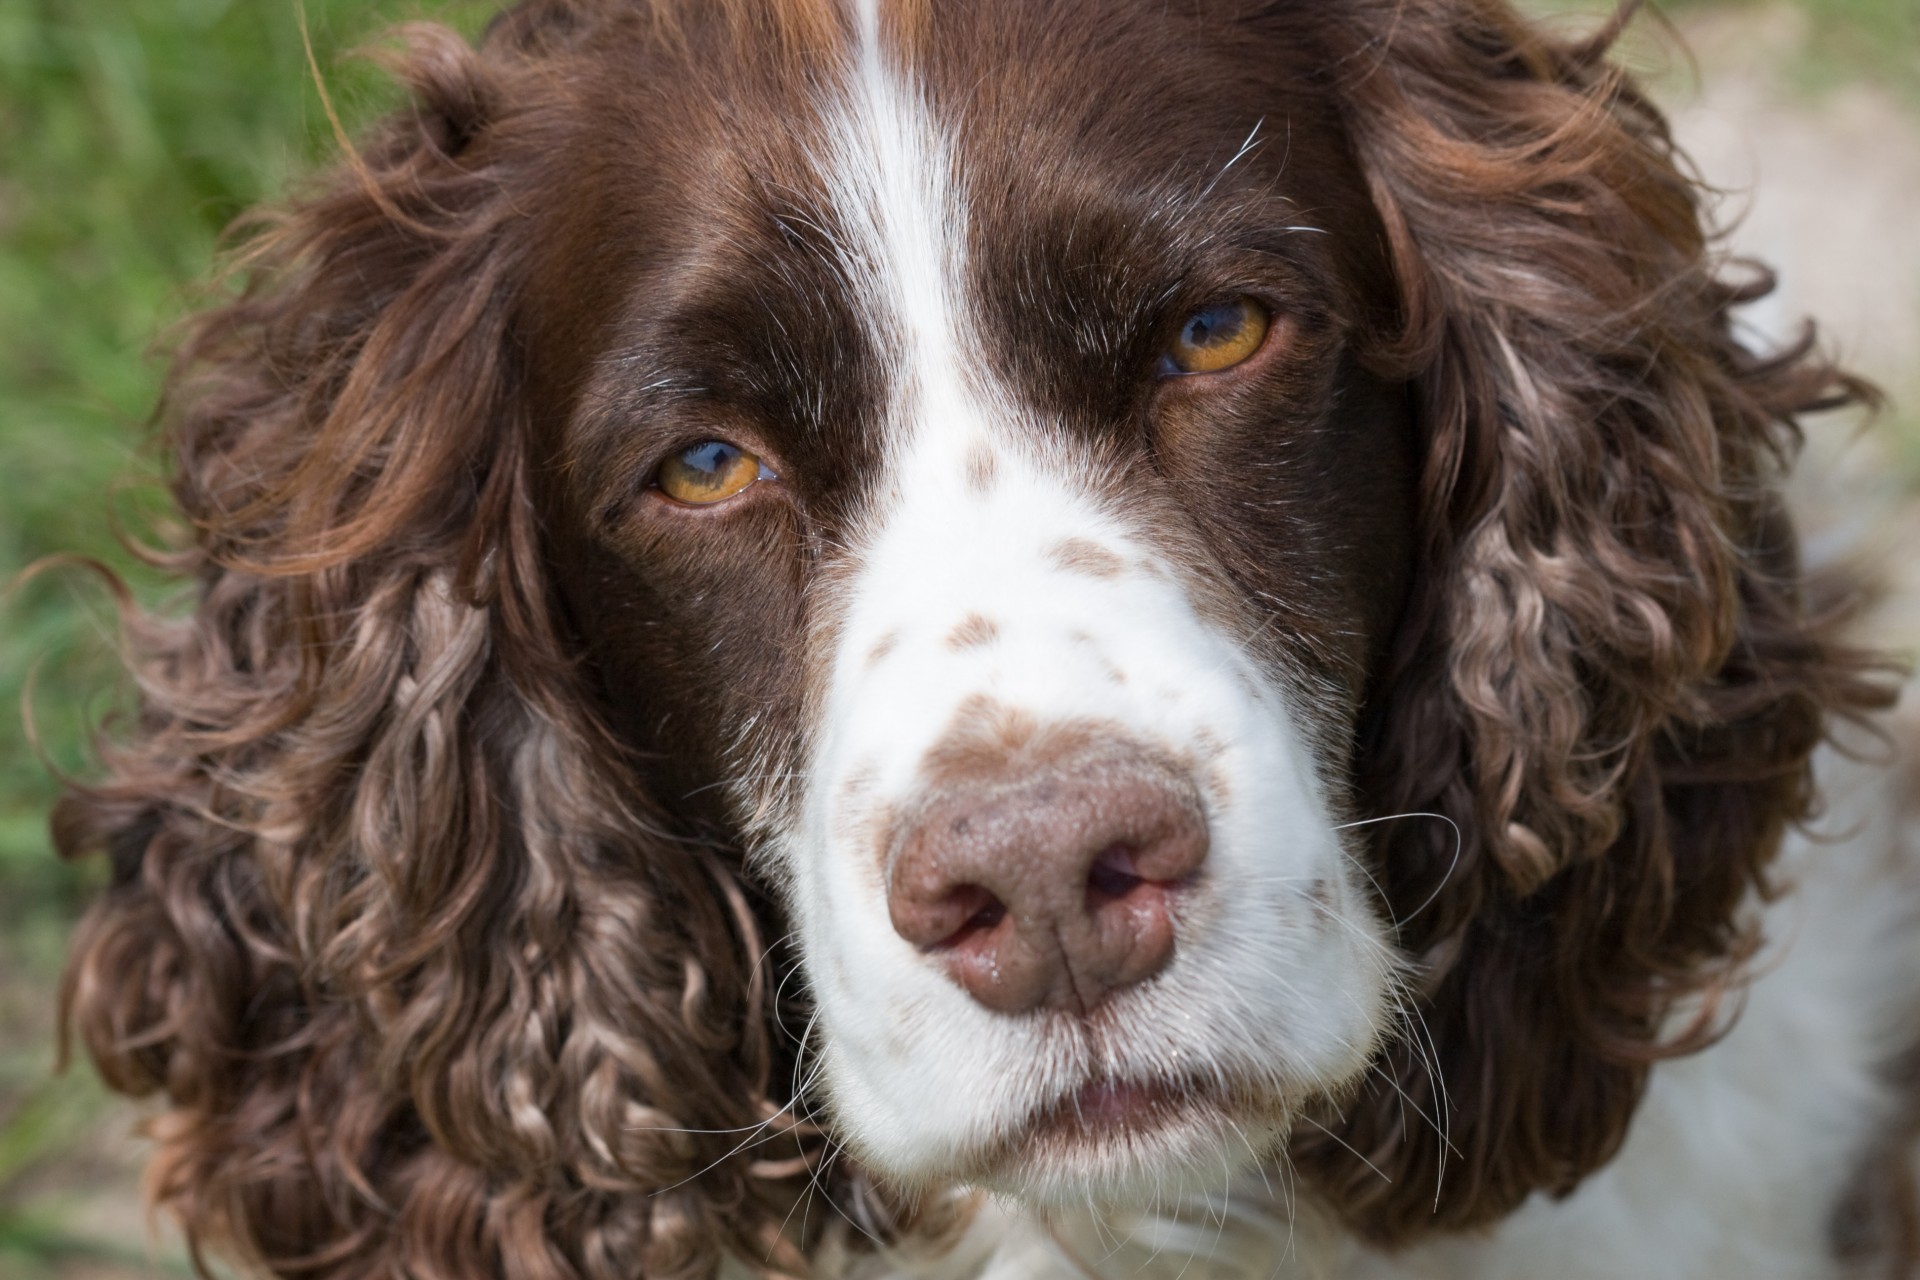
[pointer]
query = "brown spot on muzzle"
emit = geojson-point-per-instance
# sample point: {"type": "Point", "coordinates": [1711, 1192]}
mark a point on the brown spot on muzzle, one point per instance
{"type": "Point", "coordinates": [982, 466]}
{"type": "Point", "coordinates": [885, 645]}
{"type": "Point", "coordinates": [973, 632]}
{"type": "Point", "coordinates": [1042, 862]}
{"type": "Point", "coordinates": [1081, 555]}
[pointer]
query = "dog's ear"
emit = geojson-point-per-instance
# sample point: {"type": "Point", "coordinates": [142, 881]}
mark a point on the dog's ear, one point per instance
{"type": "Point", "coordinates": [1611, 677]}
{"type": "Point", "coordinates": [426, 985]}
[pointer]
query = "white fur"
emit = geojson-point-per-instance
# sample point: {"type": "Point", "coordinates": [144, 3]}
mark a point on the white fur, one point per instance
{"type": "Point", "coordinates": [1264, 984]}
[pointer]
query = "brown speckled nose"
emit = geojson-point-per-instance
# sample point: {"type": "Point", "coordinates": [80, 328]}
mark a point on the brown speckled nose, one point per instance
{"type": "Point", "coordinates": [1055, 888]}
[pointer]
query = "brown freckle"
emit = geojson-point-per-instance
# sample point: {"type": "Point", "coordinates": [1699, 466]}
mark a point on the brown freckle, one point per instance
{"type": "Point", "coordinates": [1203, 764]}
{"type": "Point", "coordinates": [973, 632]}
{"type": "Point", "coordinates": [983, 736]}
{"type": "Point", "coordinates": [1080, 555]}
{"type": "Point", "coordinates": [1115, 674]}
{"type": "Point", "coordinates": [981, 466]}
{"type": "Point", "coordinates": [1320, 893]}
{"type": "Point", "coordinates": [856, 783]}
{"type": "Point", "coordinates": [852, 818]}
{"type": "Point", "coordinates": [882, 647]}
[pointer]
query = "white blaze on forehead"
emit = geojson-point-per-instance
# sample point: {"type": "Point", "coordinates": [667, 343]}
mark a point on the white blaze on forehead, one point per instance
{"type": "Point", "coordinates": [972, 521]}
{"type": "Point", "coordinates": [936, 547]}
{"type": "Point", "coordinates": [891, 174]}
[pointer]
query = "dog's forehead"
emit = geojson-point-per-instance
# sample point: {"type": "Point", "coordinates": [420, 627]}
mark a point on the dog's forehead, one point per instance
{"type": "Point", "coordinates": [804, 195]}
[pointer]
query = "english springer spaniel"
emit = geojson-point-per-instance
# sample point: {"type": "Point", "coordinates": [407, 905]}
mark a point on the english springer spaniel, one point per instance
{"type": "Point", "coordinates": [1009, 638]}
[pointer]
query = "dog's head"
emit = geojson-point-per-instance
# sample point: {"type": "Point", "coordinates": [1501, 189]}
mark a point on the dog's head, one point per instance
{"type": "Point", "coordinates": [1154, 587]}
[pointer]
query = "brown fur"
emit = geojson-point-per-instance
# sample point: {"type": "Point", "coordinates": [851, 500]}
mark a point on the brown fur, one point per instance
{"type": "Point", "coordinates": [429, 985]}
{"type": "Point", "coordinates": [437, 978]}
{"type": "Point", "coordinates": [975, 630]}
{"type": "Point", "coordinates": [1613, 673]}
{"type": "Point", "coordinates": [1876, 1225]}
{"type": "Point", "coordinates": [982, 466]}
{"type": "Point", "coordinates": [1083, 556]}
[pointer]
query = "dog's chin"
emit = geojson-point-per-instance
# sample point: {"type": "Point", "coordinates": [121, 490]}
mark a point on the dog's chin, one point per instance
{"type": "Point", "coordinates": [1124, 1144]}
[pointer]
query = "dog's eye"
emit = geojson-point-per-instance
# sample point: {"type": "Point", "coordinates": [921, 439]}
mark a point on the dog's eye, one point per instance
{"type": "Point", "coordinates": [709, 472]}
{"type": "Point", "coordinates": [1218, 336]}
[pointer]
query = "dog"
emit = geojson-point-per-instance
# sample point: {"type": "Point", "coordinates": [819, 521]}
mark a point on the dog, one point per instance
{"type": "Point", "coordinates": [860, 637]}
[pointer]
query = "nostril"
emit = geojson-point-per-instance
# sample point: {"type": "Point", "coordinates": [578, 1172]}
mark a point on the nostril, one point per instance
{"type": "Point", "coordinates": [1114, 873]}
{"type": "Point", "coordinates": [991, 913]}
{"type": "Point", "coordinates": [976, 908]}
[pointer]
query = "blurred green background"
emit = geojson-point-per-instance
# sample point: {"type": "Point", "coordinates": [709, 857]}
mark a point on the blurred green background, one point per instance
{"type": "Point", "coordinates": [132, 131]}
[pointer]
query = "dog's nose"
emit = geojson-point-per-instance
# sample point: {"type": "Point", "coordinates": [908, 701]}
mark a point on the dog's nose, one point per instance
{"type": "Point", "coordinates": [1052, 889]}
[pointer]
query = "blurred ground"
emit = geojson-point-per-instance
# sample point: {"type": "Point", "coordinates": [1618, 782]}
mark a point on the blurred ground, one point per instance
{"type": "Point", "coordinates": [1823, 184]}
{"type": "Point", "coordinates": [1807, 115]}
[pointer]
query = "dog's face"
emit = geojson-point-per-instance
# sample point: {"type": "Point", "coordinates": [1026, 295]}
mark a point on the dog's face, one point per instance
{"type": "Point", "coordinates": [968, 476]}
{"type": "Point", "coordinates": [1167, 534]}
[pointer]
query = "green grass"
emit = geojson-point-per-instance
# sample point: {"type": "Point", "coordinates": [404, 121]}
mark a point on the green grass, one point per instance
{"type": "Point", "coordinates": [1848, 41]}
{"type": "Point", "coordinates": [132, 133]}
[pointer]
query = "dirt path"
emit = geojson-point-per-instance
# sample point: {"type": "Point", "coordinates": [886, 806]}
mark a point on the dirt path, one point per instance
{"type": "Point", "coordinates": [1826, 189]}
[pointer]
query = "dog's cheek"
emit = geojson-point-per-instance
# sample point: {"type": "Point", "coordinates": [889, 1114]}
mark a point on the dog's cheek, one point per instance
{"type": "Point", "coordinates": [1318, 526]}
{"type": "Point", "coordinates": [692, 640]}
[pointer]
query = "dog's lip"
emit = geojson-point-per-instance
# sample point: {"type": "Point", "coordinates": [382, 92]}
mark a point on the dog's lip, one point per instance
{"type": "Point", "coordinates": [1121, 1118]}
{"type": "Point", "coordinates": [1114, 1103]}
{"type": "Point", "coordinates": [1105, 1105]}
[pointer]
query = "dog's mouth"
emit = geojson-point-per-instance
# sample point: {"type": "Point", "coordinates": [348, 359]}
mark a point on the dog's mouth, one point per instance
{"type": "Point", "coordinates": [1117, 1139]}
{"type": "Point", "coordinates": [1105, 1107]}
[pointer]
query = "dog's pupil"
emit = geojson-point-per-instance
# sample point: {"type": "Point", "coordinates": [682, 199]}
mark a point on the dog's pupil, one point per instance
{"type": "Point", "coordinates": [711, 459]}
{"type": "Point", "coordinates": [1217, 324]}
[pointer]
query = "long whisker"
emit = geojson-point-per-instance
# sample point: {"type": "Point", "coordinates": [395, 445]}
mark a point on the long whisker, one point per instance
{"type": "Point", "coordinates": [1458, 845]}
{"type": "Point", "coordinates": [1349, 1146]}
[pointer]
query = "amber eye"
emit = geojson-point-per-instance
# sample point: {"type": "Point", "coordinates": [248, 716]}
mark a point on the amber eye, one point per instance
{"type": "Point", "coordinates": [709, 472]}
{"type": "Point", "coordinates": [1218, 336]}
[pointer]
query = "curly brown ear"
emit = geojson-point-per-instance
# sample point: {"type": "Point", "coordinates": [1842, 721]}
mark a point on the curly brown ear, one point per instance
{"type": "Point", "coordinates": [425, 988]}
{"type": "Point", "coordinates": [1611, 678]}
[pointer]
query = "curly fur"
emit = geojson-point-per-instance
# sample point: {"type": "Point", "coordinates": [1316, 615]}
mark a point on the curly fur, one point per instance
{"type": "Point", "coordinates": [431, 988]}
{"type": "Point", "coordinates": [1615, 674]}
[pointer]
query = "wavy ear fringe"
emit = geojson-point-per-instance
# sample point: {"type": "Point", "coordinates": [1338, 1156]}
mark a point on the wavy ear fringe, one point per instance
{"type": "Point", "coordinates": [1612, 676]}
{"type": "Point", "coordinates": [426, 985]}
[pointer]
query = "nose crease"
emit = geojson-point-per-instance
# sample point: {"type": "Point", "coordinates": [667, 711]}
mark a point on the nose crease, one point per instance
{"type": "Point", "coordinates": [1078, 860]}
